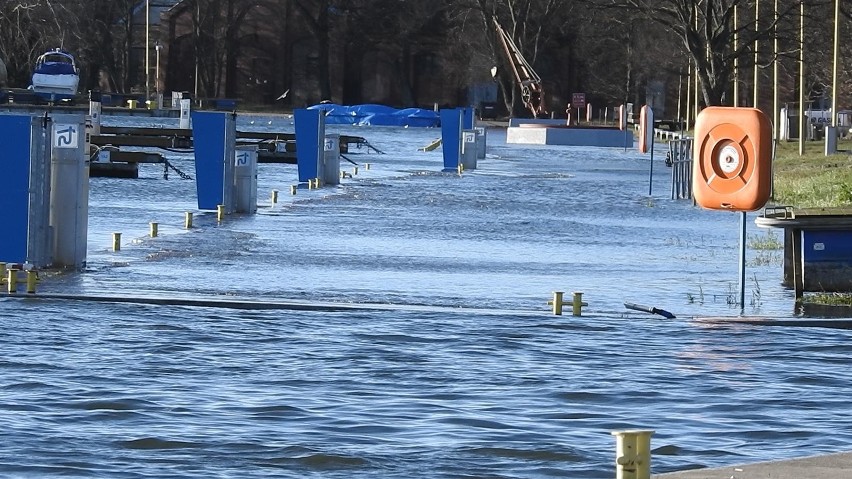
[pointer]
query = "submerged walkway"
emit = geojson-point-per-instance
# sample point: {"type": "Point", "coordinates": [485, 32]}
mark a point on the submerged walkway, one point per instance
{"type": "Point", "coordinates": [829, 466]}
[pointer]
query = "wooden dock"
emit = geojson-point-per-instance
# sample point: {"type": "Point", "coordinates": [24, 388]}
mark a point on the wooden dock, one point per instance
{"type": "Point", "coordinates": [108, 159]}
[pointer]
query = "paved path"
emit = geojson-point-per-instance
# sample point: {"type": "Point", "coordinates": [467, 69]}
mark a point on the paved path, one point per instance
{"type": "Point", "coordinates": [830, 466]}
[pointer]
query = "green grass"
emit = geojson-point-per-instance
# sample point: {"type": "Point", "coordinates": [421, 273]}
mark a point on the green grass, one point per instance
{"type": "Point", "coordinates": [813, 180]}
{"type": "Point", "coordinates": [769, 240]}
{"type": "Point", "coordinates": [833, 299]}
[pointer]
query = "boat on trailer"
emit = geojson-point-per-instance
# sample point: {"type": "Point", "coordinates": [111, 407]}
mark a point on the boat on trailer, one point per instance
{"type": "Point", "coordinates": [55, 77]}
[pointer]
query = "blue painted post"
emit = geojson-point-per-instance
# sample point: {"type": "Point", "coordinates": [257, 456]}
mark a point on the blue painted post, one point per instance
{"type": "Point", "coordinates": [310, 143]}
{"type": "Point", "coordinates": [451, 137]}
{"type": "Point", "coordinates": [468, 118]}
{"type": "Point", "coordinates": [15, 133]}
{"type": "Point", "coordinates": [214, 139]}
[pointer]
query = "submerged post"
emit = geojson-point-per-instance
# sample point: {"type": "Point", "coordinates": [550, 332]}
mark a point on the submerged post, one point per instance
{"type": "Point", "coordinates": [743, 230]}
{"type": "Point", "coordinates": [577, 304]}
{"type": "Point", "coordinates": [633, 454]}
{"type": "Point", "coordinates": [32, 278]}
{"type": "Point", "coordinates": [557, 303]}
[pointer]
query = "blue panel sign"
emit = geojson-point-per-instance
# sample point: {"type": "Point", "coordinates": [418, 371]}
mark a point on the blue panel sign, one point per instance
{"type": "Point", "coordinates": [467, 121]}
{"type": "Point", "coordinates": [208, 139]}
{"type": "Point", "coordinates": [827, 246]}
{"type": "Point", "coordinates": [451, 136]}
{"type": "Point", "coordinates": [310, 140]}
{"type": "Point", "coordinates": [15, 132]}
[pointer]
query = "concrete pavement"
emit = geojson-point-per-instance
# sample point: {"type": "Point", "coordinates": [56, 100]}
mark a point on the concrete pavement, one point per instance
{"type": "Point", "coordinates": [829, 466]}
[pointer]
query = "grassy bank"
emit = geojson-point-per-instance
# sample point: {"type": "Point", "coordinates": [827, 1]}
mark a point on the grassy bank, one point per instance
{"type": "Point", "coordinates": [813, 180]}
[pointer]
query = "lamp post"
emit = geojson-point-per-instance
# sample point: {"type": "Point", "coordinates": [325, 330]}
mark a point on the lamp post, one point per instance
{"type": "Point", "coordinates": [158, 47]}
{"type": "Point", "coordinates": [147, 50]}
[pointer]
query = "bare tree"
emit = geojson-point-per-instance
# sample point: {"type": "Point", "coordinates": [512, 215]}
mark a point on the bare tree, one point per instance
{"type": "Point", "coordinates": [706, 31]}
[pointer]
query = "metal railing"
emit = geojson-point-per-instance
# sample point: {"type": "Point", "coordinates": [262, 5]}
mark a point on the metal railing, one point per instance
{"type": "Point", "coordinates": [680, 160]}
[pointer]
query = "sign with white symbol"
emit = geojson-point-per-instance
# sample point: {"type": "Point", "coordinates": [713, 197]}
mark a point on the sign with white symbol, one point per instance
{"type": "Point", "coordinates": [819, 246]}
{"type": "Point", "coordinates": [66, 136]}
{"type": "Point", "coordinates": [729, 159]}
{"type": "Point", "coordinates": [241, 158]}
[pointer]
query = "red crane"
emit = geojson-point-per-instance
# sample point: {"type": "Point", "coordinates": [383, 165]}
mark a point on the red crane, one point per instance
{"type": "Point", "coordinates": [532, 92]}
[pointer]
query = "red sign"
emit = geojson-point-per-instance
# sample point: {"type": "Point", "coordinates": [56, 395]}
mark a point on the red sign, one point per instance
{"type": "Point", "coordinates": [578, 100]}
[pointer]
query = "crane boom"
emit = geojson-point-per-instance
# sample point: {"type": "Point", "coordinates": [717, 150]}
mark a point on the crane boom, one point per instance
{"type": "Point", "coordinates": [528, 80]}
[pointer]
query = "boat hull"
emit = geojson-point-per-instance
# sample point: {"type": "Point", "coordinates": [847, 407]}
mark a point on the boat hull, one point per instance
{"type": "Point", "coordinates": [55, 87]}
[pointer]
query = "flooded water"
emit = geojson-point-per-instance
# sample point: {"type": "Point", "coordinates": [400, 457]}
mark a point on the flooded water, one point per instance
{"type": "Point", "coordinates": [462, 372]}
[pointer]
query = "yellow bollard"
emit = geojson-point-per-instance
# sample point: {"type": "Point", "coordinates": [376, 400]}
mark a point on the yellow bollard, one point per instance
{"type": "Point", "coordinates": [578, 303]}
{"type": "Point", "coordinates": [187, 220]}
{"type": "Point", "coordinates": [354, 171]}
{"type": "Point", "coordinates": [12, 280]}
{"type": "Point", "coordinates": [274, 196]}
{"type": "Point", "coordinates": [633, 454]}
{"type": "Point", "coordinates": [366, 166]}
{"type": "Point", "coordinates": [32, 278]}
{"type": "Point", "coordinates": [155, 227]}
{"type": "Point", "coordinates": [316, 183]}
{"type": "Point", "coordinates": [557, 303]}
{"type": "Point", "coordinates": [220, 213]}
{"type": "Point", "coordinates": [293, 189]}
{"type": "Point", "coordinates": [460, 168]}
{"type": "Point", "coordinates": [2, 272]}
{"type": "Point", "coordinates": [116, 241]}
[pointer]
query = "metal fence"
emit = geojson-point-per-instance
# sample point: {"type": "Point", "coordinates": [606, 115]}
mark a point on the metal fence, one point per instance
{"type": "Point", "coordinates": [680, 160]}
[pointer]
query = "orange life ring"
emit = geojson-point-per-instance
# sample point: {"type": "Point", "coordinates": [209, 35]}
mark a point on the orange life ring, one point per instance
{"type": "Point", "coordinates": [732, 159]}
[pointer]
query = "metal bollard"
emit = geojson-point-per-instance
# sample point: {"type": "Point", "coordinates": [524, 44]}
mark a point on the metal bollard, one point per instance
{"type": "Point", "coordinates": [557, 302]}
{"type": "Point", "coordinates": [220, 213]}
{"type": "Point", "coordinates": [293, 189]}
{"type": "Point", "coordinates": [2, 272]}
{"type": "Point", "coordinates": [366, 166]}
{"type": "Point", "coordinates": [274, 196]}
{"type": "Point", "coordinates": [578, 304]}
{"type": "Point", "coordinates": [32, 278]}
{"type": "Point", "coordinates": [187, 220]}
{"type": "Point", "coordinates": [633, 454]}
{"type": "Point", "coordinates": [354, 171]}
{"type": "Point", "coordinates": [155, 227]}
{"type": "Point", "coordinates": [12, 280]}
{"type": "Point", "coordinates": [116, 241]}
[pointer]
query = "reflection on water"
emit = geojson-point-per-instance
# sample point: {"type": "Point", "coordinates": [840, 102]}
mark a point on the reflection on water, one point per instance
{"type": "Point", "coordinates": [439, 389]}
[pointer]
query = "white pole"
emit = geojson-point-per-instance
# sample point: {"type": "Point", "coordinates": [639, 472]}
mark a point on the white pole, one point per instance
{"type": "Point", "coordinates": [756, 45]}
{"type": "Point", "coordinates": [834, 67]}
{"type": "Point", "coordinates": [158, 47]}
{"type": "Point", "coordinates": [147, 51]}
{"type": "Point", "coordinates": [736, 59]}
{"type": "Point", "coordinates": [801, 77]}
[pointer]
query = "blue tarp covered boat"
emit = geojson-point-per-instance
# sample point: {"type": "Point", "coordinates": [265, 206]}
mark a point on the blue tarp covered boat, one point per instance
{"type": "Point", "coordinates": [377, 115]}
{"type": "Point", "coordinates": [55, 77]}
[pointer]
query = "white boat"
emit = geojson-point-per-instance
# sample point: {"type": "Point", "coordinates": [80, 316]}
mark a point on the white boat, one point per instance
{"type": "Point", "coordinates": [56, 76]}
